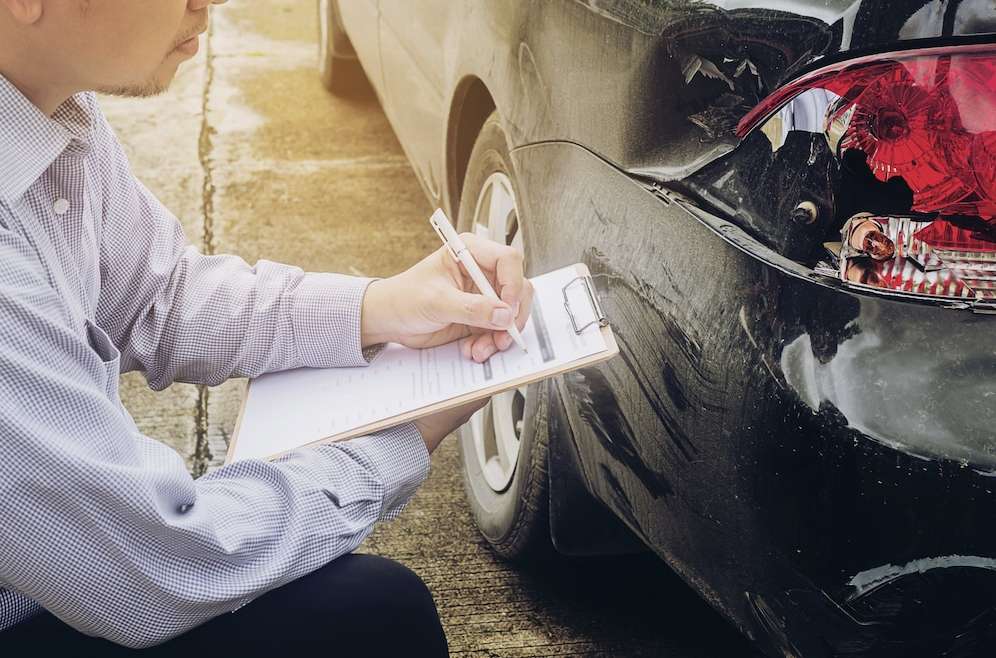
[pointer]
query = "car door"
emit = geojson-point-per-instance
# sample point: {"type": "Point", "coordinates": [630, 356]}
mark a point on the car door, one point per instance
{"type": "Point", "coordinates": [360, 19]}
{"type": "Point", "coordinates": [413, 45]}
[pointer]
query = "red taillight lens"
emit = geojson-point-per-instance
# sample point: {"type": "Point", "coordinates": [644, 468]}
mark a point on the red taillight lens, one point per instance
{"type": "Point", "coordinates": [926, 116]}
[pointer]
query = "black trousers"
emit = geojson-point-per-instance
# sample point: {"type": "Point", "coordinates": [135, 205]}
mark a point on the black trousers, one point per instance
{"type": "Point", "coordinates": [358, 605]}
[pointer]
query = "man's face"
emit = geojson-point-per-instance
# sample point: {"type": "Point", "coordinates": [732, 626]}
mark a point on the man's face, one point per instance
{"type": "Point", "coordinates": [125, 47]}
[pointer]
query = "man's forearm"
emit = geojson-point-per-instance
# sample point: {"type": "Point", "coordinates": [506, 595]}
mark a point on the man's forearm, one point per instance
{"type": "Point", "coordinates": [217, 317]}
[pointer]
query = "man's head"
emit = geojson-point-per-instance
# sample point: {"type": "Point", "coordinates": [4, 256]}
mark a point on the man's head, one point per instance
{"type": "Point", "coordinates": [52, 49]}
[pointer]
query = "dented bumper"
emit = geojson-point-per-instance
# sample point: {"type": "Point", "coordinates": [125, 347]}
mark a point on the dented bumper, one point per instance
{"type": "Point", "coordinates": [817, 461]}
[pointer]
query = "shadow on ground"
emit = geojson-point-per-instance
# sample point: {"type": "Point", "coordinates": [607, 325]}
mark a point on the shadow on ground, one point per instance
{"type": "Point", "coordinates": [635, 596]}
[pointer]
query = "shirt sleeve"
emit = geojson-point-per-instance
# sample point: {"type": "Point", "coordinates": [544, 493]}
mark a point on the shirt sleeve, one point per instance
{"type": "Point", "coordinates": [106, 529]}
{"type": "Point", "coordinates": [180, 315]}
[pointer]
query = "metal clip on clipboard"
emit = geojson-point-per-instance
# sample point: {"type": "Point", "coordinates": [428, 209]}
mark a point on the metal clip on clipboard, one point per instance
{"type": "Point", "coordinates": [596, 308]}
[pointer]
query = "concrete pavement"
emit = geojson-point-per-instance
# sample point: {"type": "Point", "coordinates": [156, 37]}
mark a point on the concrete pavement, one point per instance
{"type": "Point", "coordinates": [258, 160]}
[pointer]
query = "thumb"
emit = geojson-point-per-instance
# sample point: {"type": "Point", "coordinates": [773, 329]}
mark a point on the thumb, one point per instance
{"type": "Point", "coordinates": [475, 310]}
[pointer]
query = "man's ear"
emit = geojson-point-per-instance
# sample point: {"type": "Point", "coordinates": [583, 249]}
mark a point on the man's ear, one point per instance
{"type": "Point", "coordinates": [25, 12]}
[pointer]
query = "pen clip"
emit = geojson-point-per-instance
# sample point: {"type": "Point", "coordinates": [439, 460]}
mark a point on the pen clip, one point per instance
{"type": "Point", "coordinates": [446, 243]}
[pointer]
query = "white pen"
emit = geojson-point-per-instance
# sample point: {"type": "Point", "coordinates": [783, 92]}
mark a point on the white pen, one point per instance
{"type": "Point", "coordinates": [459, 250]}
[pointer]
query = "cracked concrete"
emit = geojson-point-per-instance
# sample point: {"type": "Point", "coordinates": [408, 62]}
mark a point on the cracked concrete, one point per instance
{"type": "Point", "coordinates": [258, 160]}
{"type": "Point", "coordinates": [203, 456]}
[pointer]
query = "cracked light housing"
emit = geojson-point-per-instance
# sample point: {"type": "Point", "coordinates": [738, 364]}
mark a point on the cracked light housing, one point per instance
{"type": "Point", "coordinates": [926, 116]}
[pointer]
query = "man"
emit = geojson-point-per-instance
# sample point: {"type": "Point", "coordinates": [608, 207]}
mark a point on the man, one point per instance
{"type": "Point", "coordinates": [105, 539]}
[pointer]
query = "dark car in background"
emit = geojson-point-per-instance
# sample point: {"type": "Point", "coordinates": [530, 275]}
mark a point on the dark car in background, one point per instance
{"type": "Point", "coordinates": [788, 211]}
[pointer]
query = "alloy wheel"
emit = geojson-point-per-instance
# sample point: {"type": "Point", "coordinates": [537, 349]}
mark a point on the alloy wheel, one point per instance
{"type": "Point", "coordinates": [497, 428]}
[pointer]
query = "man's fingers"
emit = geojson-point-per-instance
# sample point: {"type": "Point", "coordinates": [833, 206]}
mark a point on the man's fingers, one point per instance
{"type": "Point", "coordinates": [525, 305]}
{"type": "Point", "coordinates": [480, 347]}
{"type": "Point", "coordinates": [502, 264]}
{"type": "Point", "coordinates": [503, 340]}
{"type": "Point", "coordinates": [486, 252]}
{"type": "Point", "coordinates": [483, 347]}
{"type": "Point", "coordinates": [511, 279]}
{"type": "Point", "coordinates": [475, 310]}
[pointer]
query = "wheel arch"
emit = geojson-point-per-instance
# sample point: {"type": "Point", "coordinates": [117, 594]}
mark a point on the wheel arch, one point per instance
{"type": "Point", "coordinates": [471, 105]}
{"type": "Point", "coordinates": [580, 524]}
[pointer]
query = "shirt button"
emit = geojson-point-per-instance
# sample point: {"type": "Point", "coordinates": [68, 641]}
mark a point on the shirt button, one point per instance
{"type": "Point", "coordinates": [61, 207]}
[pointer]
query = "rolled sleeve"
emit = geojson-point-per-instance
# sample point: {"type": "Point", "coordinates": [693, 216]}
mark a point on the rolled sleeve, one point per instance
{"type": "Point", "coordinates": [399, 459]}
{"type": "Point", "coordinates": [326, 314]}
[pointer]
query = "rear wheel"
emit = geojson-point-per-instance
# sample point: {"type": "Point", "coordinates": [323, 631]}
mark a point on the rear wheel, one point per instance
{"type": "Point", "coordinates": [504, 446]}
{"type": "Point", "coordinates": [338, 66]}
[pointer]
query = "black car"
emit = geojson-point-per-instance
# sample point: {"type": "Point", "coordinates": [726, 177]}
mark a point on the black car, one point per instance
{"type": "Point", "coordinates": [788, 210]}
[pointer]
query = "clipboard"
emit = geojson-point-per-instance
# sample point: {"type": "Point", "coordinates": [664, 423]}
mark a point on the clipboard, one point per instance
{"type": "Point", "coordinates": [580, 300]}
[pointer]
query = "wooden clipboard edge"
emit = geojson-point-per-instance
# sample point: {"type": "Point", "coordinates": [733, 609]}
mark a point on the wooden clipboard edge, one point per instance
{"type": "Point", "coordinates": [238, 424]}
{"type": "Point", "coordinates": [611, 350]}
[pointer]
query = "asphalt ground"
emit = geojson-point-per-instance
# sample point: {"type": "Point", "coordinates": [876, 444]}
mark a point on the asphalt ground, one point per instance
{"type": "Point", "coordinates": [257, 159]}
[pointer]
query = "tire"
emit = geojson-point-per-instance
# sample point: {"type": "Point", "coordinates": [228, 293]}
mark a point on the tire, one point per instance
{"type": "Point", "coordinates": [514, 519]}
{"type": "Point", "coordinates": [338, 66]}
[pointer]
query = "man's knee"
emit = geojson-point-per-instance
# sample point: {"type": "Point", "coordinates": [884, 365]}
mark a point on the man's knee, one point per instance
{"type": "Point", "coordinates": [387, 584]}
{"type": "Point", "coordinates": [391, 596]}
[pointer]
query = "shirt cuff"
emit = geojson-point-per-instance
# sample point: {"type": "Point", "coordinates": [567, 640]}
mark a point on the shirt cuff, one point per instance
{"type": "Point", "coordinates": [326, 313]}
{"type": "Point", "coordinates": [401, 461]}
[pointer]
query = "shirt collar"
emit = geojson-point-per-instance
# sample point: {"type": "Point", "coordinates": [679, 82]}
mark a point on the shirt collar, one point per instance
{"type": "Point", "coordinates": [30, 141]}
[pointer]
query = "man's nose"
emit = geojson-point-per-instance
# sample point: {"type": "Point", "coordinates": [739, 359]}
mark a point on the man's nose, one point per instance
{"type": "Point", "coordinates": [197, 5]}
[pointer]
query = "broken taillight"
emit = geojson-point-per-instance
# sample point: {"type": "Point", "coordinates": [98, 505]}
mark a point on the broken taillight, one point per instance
{"type": "Point", "coordinates": [935, 258]}
{"type": "Point", "coordinates": [927, 117]}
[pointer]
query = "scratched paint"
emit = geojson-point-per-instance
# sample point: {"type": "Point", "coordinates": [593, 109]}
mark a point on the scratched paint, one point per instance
{"type": "Point", "coordinates": [757, 394]}
{"type": "Point", "coordinates": [870, 579]}
{"type": "Point", "coordinates": [765, 431]}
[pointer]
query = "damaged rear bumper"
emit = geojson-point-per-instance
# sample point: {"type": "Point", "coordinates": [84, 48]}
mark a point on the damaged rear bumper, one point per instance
{"type": "Point", "coordinates": [817, 461]}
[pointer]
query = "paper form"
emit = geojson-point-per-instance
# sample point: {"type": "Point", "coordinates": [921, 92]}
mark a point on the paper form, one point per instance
{"type": "Point", "coordinates": [289, 409]}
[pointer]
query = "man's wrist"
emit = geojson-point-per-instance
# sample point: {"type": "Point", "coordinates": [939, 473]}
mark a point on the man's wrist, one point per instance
{"type": "Point", "coordinates": [431, 435]}
{"type": "Point", "coordinates": [377, 314]}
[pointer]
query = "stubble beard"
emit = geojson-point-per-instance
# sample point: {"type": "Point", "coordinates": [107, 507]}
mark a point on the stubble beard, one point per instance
{"type": "Point", "coordinates": [149, 88]}
{"type": "Point", "coordinates": [155, 84]}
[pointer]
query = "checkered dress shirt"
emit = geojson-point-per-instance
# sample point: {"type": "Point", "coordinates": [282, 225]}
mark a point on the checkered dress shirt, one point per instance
{"type": "Point", "coordinates": [103, 526]}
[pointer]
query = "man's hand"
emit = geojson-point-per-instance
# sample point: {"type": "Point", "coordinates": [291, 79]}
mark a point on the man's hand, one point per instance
{"type": "Point", "coordinates": [435, 302]}
{"type": "Point", "coordinates": [439, 425]}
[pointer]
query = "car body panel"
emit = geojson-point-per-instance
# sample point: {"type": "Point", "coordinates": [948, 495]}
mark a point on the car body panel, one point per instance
{"type": "Point", "coordinates": [633, 105]}
{"type": "Point", "coordinates": [762, 429]}
{"type": "Point", "coordinates": [361, 20]}
{"type": "Point", "coordinates": [815, 461]}
{"type": "Point", "coordinates": [413, 37]}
